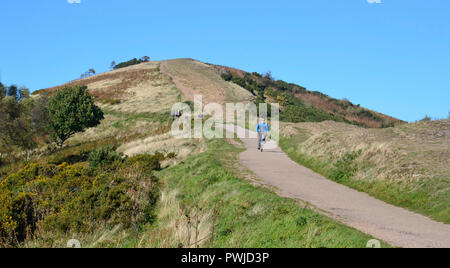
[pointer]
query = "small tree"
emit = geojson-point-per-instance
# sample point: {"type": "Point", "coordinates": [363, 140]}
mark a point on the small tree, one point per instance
{"type": "Point", "coordinates": [92, 71]}
{"type": "Point", "coordinates": [113, 65]}
{"type": "Point", "coordinates": [39, 115]}
{"type": "Point", "coordinates": [24, 93]}
{"type": "Point", "coordinates": [426, 119]}
{"type": "Point", "coordinates": [2, 91]}
{"type": "Point", "coordinates": [16, 128]}
{"type": "Point", "coordinates": [268, 76]}
{"type": "Point", "coordinates": [226, 75]}
{"type": "Point", "coordinates": [12, 91]}
{"type": "Point", "coordinates": [70, 111]}
{"type": "Point", "coordinates": [145, 59]}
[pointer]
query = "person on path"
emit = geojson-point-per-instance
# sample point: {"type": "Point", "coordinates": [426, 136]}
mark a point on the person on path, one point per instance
{"type": "Point", "coordinates": [263, 130]}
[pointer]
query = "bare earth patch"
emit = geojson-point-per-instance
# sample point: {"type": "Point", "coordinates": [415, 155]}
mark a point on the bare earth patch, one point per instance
{"type": "Point", "coordinates": [196, 78]}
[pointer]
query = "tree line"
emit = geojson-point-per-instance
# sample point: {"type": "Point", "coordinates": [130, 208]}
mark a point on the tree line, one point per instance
{"type": "Point", "coordinates": [27, 122]}
{"type": "Point", "coordinates": [131, 62]}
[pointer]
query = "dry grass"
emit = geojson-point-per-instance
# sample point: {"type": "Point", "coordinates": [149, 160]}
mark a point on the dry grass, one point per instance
{"type": "Point", "coordinates": [138, 88]}
{"type": "Point", "coordinates": [165, 144]}
{"type": "Point", "coordinates": [404, 153]}
{"type": "Point", "coordinates": [408, 165]}
{"type": "Point", "coordinates": [141, 91]}
{"type": "Point", "coordinates": [183, 227]}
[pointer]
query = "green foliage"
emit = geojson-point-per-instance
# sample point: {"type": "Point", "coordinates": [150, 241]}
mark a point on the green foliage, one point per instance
{"type": "Point", "coordinates": [257, 74]}
{"type": "Point", "coordinates": [12, 91]}
{"type": "Point", "coordinates": [239, 81]}
{"type": "Point", "coordinates": [104, 156]}
{"type": "Point", "coordinates": [249, 216]}
{"type": "Point", "coordinates": [426, 119]}
{"type": "Point", "coordinates": [145, 59]}
{"type": "Point", "coordinates": [72, 110]}
{"type": "Point", "coordinates": [73, 198]}
{"type": "Point", "coordinates": [16, 128]}
{"type": "Point", "coordinates": [296, 111]}
{"type": "Point", "coordinates": [2, 91]}
{"type": "Point", "coordinates": [130, 62]}
{"type": "Point", "coordinates": [345, 168]}
{"type": "Point", "coordinates": [292, 107]}
{"type": "Point", "coordinates": [226, 76]}
{"type": "Point", "coordinates": [387, 124]}
{"type": "Point", "coordinates": [39, 115]}
{"type": "Point", "coordinates": [147, 163]}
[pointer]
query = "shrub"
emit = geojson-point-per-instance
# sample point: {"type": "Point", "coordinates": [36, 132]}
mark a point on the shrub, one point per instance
{"type": "Point", "coordinates": [71, 198]}
{"type": "Point", "coordinates": [171, 155]}
{"type": "Point", "coordinates": [257, 74]}
{"type": "Point", "coordinates": [387, 124]}
{"type": "Point", "coordinates": [104, 156]}
{"type": "Point", "coordinates": [148, 163]}
{"type": "Point", "coordinates": [426, 119]}
{"type": "Point", "coordinates": [226, 76]}
{"type": "Point", "coordinates": [239, 81]}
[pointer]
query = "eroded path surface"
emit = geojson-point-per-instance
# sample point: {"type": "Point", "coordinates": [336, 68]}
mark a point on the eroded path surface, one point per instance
{"type": "Point", "coordinates": [397, 226]}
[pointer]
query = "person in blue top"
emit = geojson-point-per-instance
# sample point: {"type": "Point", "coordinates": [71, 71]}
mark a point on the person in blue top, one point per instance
{"type": "Point", "coordinates": [263, 131]}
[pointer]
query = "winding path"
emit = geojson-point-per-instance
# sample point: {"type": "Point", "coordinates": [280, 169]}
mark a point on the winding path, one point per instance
{"type": "Point", "coordinates": [397, 226]}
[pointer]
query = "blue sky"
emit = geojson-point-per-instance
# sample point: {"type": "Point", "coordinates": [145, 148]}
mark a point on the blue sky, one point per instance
{"type": "Point", "coordinates": [392, 57]}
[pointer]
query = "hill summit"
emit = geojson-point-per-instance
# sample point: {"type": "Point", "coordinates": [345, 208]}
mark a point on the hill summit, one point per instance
{"type": "Point", "coordinates": [139, 87]}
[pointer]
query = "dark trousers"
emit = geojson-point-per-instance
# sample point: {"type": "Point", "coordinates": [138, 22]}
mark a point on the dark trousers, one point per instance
{"type": "Point", "coordinates": [261, 137]}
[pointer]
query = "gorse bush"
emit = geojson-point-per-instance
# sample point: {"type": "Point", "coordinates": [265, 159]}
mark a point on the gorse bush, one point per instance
{"type": "Point", "coordinates": [75, 199]}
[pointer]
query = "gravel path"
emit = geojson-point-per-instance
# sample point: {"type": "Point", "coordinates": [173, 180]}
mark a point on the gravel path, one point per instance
{"type": "Point", "coordinates": [397, 226]}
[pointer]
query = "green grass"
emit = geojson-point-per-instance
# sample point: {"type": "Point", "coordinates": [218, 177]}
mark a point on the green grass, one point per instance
{"type": "Point", "coordinates": [427, 197]}
{"type": "Point", "coordinates": [249, 216]}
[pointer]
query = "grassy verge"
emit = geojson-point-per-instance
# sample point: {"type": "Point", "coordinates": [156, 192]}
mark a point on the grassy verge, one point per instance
{"type": "Point", "coordinates": [427, 197]}
{"type": "Point", "coordinates": [204, 204]}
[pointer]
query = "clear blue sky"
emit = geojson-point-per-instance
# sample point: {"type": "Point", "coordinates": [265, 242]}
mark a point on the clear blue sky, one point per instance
{"type": "Point", "coordinates": [392, 57]}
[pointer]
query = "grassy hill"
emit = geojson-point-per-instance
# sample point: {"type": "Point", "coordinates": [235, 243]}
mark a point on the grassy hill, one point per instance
{"type": "Point", "coordinates": [407, 165]}
{"type": "Point", "coordinates": [196, 178]}
{"type": "Point", "coordinates": [301, 105]}
{"type": "Point", "coordinates": [129, 183]}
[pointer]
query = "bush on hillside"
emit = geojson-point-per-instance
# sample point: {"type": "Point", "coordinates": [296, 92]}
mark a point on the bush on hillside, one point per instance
{"type": "Point", "coordinates": [426, 119]}
{"type": "Point", "coordinates": [131, 62]}
{"type": "Point", "coordinates": [104, 156]}
{"type": "Point", "coordinates": [75, 199]}
{"type": "Point", "coordinates": [226, 76]}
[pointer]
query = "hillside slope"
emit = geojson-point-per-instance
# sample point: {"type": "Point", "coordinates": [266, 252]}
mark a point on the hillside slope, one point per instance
{"type": "Point", "coordinates": [408, 165]}
{"type": "Point", "coordinates": [161, 82]}
{"type": "Point", "coordinates": [197, 78]}
{"type": "Point", "coordinates": [108, 202]}
{"type": "Point", "coordinates": [301, 105]}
